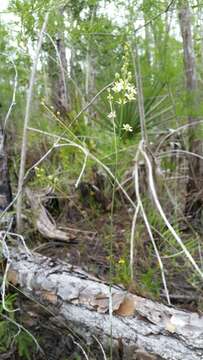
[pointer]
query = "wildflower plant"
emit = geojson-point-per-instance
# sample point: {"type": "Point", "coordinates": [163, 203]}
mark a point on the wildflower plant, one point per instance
{"type": "Point", "coordinates": [45, 180]}
{"type": "Point", "coordinates": [122, 271]}
{"type": "Point", "coordinates": [122, 92]}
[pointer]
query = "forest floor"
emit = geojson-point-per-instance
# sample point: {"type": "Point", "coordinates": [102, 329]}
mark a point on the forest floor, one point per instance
{"type": "Point", "coordinates": [101, 246]}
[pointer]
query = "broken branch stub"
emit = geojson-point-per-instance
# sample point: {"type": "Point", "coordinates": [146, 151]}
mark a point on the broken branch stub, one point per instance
{"type": "Point", "coordinates": [43, 220]}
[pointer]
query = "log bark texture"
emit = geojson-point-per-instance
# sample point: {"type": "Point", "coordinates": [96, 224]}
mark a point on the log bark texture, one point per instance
{"type": "Point", "coordinates": [141, 328]}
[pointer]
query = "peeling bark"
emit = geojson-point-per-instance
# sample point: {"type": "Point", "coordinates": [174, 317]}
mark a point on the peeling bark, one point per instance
{"type": "Point", "coordinates": [141, 328]}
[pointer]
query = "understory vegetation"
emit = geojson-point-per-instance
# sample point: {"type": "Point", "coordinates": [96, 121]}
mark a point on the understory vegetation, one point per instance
{"type": "Point", "coordinates": [101, 104]}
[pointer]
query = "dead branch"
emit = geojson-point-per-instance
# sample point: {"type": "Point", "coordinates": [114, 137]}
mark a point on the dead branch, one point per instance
{"type": "Point", "coordinates": [43, 220]}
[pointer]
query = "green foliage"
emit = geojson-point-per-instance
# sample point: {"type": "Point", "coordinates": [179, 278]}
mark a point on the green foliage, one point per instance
{"type": "Point", "coordinates": [5, 327]}
{"type": "Point", "coordinates": [25, 345]}
{"type": "Point", "coordinates": [122, 272]}
{"type": "Point", "coordinates": [11, 335]}
{"type": "Point", "coordinates": [5, 336]}
{"type": "Point", "coordinates": [44, 179]}
{"type": "Point", "coordinates": [9, 301]}
{"type": "Point", "coordinates": [150, 282]}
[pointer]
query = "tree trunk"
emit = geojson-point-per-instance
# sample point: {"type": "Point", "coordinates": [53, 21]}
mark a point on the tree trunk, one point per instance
{"type": "Point", "coordinates": [148, 37]}
{"type": "Point", "coordinates": [61, 100]}
{"type": "Point", "coordinates": [57, 73]}
{"type": "Point", "coordinates": [140, 328]}
{"type": "Point", "coordinates": [5, 188]}
{"type": "Point", "coordinates": [194, 197]}
{"type": "Point", "coordinates": [90, 75]}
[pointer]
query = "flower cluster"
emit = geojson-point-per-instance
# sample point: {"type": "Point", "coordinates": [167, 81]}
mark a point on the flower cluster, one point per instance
{"type": "Point", "coordinates": [127, 128]}
{"type": "Point", "coordinates": [121, 261]}
{"type": "Point", "coordinates": [123, 89]}
{"type": "Point", "coordinates": [44, 179]}
{"type": "Point", "coordinates": [112, 115]}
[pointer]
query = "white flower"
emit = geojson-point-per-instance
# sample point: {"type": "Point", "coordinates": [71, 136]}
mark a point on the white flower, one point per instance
{"type": "Point", "coordinates": [110, 97]}
{"type": "Point", "coordinates": [112, 115]}
{"type": "Point", "coordinates": [127, 127]}
{"type": "Point", "coordinates": [130, 88]}
{"type": "Point", "coordinates": [122, 101]}
{"type": "Point", "coordinates": [118, 87]}
{"type": "Point", "coordinates": [130, 96]}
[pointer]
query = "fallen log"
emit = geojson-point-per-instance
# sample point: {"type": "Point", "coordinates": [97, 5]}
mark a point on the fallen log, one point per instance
{"type": "Point", "coordinates": [139, 328]}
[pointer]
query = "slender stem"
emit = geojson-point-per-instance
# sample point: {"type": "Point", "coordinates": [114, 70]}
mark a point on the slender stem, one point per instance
{"type": "Point", "coordinates": [111, 241]}
{"type": "Point", "coordinates": [140, 96]}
